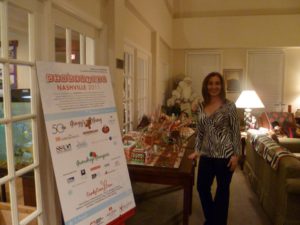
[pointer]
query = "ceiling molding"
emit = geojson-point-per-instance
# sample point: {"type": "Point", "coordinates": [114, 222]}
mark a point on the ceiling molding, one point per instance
{"type": "Point", "coordinates": [77, 13]}
{"type": "Point", "coordinates": [136, 13]}
{"type": "Point", "coordinates": [225, 13]}
{"type": "Point", "coordinates": [170, 8]}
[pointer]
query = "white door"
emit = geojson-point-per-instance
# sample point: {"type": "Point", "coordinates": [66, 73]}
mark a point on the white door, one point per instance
{"type": "Point", "coordinates": [265, 75]}
{"type": "Point", "coordinates": [142, 84]}
{"type": "Point", "coordinates": [128, 89]}
{"type": "Point", "coordinates": [199, 64]}
{"type": "Point", "coordinates": [163, 83]}
{"type": "Point", "coordinates": [19, 147]}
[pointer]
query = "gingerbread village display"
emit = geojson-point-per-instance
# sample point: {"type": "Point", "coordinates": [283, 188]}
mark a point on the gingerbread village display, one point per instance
{"type": "Point", "coordinates": [159, 141]}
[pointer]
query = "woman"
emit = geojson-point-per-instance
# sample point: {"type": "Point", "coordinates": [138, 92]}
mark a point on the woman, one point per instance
{"type": "Point", "coordinates": [218, 140]}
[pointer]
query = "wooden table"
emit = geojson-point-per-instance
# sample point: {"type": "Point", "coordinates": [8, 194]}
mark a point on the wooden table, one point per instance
{"type": "Point", "coordinates": [182, 176]}
{"type": "Point", "coordinates": [28, 188]}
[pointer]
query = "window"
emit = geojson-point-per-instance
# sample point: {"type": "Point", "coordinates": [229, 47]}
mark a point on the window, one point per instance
{"type": "Point", "coordinates": [128, 89]}
{"type": "Point", "coordinates": [265, 76]}
{"type": "Point", "coordinates": [73, 47]}
{"type": "Point", "coordinates": [19, 158]}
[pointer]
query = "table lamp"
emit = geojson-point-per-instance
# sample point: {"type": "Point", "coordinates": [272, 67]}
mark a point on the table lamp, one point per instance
{"type": "Point", "coordinates": [248, 100]}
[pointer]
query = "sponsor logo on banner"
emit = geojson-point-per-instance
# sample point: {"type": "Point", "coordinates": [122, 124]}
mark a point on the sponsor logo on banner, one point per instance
{"type": "Point", "coordinates": [125, 206]}
{"type": "Point", "coordinates": [109, 171]}
{"type": "Point", "coordinates": [91, 158]}
{"type": "Point", "coordinates": [95, 168]}
{"type": "Point", "coordinates": [63, 148]}
{"type": "Point", "coordinates": [83, 172]}
{"type": "Point", "coordinates": [69, 137]}
{"type": "Point", "coordinates": [111, 214]}
{"type": "Point", "coordinates": [70, 192]}
{"type": "Point", "coordinates": [69, 173]}
{"type": "Point", "coordinates": [115, 158]}
{"type": "Point", "coordinates": [85, 122]}
{"type": "Point", "coordinates": [78, 184]}
{"type": "Point", "coordinates": [104, 185]}
{"type": "Point", "coordinates": [105, 129]}
{"type": "Point", "coordinates": [81, 144]}
{"type": "Point", "coordinates": [117, 163]}
{"type": "Point", "coordinates": [70, 180]}
{"type": "Point", "coordinates": [58, 128]}
{"type": "Point", "coordinates": [88, 132]}
{"type": "Point", "coordinates": [97, 221]}
{"type": "Point", "coordinates": [111, 120]}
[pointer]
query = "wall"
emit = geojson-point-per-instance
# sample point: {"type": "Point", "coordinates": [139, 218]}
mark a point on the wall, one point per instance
{"type": "Point", "coordinates": [192, 8]}
{"type": "Point", "coordinates": [157, 18]}
{"type": "Point", "coordinates": [164, 78]}
{"type": "Point", "coordinates": [136, 32]}
{"type": "Point", "coordinates": [142, 24]}
{"type": "Point", "coordinates": [211, 27]}
{"type": "Point", "coordinates": [157, 15]}
{"type": "Point", "coordinates": [91, 7]}
{"type": "Point", "coordinates": [237, 32]}
{"type": "Point", "coordinates": [236, 58]}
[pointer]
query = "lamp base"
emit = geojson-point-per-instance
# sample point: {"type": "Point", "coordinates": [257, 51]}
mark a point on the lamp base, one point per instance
{"type": "Point", "coordinates": [250, 121]}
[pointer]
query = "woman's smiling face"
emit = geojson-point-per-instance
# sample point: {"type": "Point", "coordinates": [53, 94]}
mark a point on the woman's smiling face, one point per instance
{"type": "Point", "coordinates": [214, 86]}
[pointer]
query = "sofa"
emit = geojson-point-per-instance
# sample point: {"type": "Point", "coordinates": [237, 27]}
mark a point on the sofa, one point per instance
{"type": "Point", "coordinates": [274, 174]}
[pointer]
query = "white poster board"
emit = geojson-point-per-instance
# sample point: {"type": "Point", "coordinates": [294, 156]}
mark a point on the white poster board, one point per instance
{"type": "Point", "coordinates": [85, 143]}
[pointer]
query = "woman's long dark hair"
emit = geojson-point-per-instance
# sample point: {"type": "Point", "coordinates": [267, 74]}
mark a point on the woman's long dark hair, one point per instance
{"type": "Point", "coordinates": [205, 94]}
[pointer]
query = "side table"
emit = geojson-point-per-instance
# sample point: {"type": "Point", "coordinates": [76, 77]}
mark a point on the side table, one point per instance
{"type": "Point", "coordinates": [297, 121]}
{"type": "Point", "coordinates": [243, 155]}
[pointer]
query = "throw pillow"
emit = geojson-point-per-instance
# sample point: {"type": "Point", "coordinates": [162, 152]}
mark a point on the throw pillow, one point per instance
{"type": "Point", "coordinates": [291, 131]}
{"type": "Point", "coordinates": [278, 130]}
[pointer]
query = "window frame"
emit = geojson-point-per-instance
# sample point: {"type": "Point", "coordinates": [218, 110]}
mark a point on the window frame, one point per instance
{"type": "Point", "coordinates": [142, 85]}
{"type": "Point", "coordinates": [128, 89]}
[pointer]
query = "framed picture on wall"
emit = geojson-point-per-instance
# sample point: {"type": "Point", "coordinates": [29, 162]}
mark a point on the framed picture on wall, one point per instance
{"type": "Point", "coordinates": [12, 54]}
{"type": "Point", "coordinates": [233, 79]}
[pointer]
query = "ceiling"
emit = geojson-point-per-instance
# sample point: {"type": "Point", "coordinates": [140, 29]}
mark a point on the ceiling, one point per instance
{"type": "Point", "coordinates": [209, 8]}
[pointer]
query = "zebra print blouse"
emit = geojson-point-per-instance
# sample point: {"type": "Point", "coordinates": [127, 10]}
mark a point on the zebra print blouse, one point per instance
{"type": "Point", "coordinates": [218, 135]}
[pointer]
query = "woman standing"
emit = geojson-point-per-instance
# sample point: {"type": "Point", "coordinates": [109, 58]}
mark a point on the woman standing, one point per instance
{"type": "Point", "coordinates": [218, 140]}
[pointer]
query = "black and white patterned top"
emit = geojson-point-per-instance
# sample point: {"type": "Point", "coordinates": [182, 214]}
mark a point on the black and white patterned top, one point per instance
{"type": "Point", "coordinates": [218, 135]}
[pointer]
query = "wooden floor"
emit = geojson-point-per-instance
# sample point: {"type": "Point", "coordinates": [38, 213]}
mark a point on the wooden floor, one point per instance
{"type": "Point", "coordinates": [162, 205]}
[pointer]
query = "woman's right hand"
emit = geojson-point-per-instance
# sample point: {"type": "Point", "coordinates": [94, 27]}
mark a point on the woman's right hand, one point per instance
{"type": "Point", "coordinates": [193, 155]}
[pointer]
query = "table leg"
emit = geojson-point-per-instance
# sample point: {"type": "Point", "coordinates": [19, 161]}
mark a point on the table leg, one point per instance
{"type": "Point", "coordinates": [3, 193]}
{"type": "Point", "coordinates": [187, 208]}
{"type": "Point", "coordinates": [191, 199]}
{"type": "Point", "coordinates": [243, 155]}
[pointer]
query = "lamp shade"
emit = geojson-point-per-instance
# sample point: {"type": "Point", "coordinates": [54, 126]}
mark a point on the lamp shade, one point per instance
{"type": "Point", "coordinates": [249, 100]}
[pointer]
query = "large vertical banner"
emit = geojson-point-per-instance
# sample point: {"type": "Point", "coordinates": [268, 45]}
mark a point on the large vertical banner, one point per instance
{"type": "Point", "coordinates": [85, 143]}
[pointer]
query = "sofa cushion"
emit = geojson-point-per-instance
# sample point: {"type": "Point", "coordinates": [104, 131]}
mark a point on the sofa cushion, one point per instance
{"type": "Point", "coordinates": [293, 185]}
{"type": "Point", "coordinates": [292, 144]}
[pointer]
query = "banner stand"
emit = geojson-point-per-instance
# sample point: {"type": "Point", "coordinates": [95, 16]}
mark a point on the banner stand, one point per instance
{"type": "Point", "coordinates": [119, 221]}
{"type": "Point", "coordinates": [85, 143]}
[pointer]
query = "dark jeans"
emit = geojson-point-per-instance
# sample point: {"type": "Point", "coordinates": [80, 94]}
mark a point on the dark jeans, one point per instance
{"type": "Point", "coordinates": [215, 209]}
